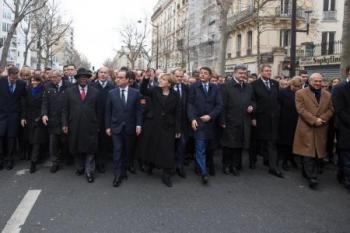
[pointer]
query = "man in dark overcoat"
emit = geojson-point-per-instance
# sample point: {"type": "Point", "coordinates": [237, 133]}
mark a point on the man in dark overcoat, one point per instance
{"type": "Point", "coordinates": [104, 142]}
{"type": "Point", "coordinates": [236, 119]}
{"type": "Point", "coordinates": [80, 122]}
{"type": "Point", "coordinates": [341, 102]}
{"type": "Point", "coordinates": [266, 114]}
{"type": "Point", "coordinates": [12, 91]}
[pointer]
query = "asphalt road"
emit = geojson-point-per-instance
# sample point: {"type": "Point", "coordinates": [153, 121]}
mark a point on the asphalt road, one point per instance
{"type": "Point", "coordinates": [252, 202]}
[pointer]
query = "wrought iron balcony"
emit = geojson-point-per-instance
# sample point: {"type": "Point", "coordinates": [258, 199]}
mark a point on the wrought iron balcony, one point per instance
{"type": "Point", "coordinates": [329, 15]}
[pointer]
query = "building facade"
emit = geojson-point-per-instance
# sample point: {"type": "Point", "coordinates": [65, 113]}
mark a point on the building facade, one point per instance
{"type": "Point", "coordinates": [169, 34]}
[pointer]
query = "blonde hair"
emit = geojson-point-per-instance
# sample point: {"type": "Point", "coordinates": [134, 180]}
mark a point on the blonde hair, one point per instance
{"type": "Point", "coordinates": [168, 77]}
{"type": "Point", "coordinates": [295, 81]}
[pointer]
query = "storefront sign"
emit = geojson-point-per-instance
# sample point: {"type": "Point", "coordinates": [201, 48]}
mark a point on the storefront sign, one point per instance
{"type": "Point", "coordinates": [319, 61]}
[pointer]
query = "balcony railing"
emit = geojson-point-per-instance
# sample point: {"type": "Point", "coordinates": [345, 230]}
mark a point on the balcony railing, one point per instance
{"type": "Point", "coordinates": [249, 52]}
{"type": "Point", "coordinates": [279, 12]}
{"type": "Point", "coordinates": [329, 15]}
{"type": "Point", "coordinates": [329, 48]}
{"type": "Point", "coordinates": [238, 53]}
{"type": "Point", "coordinates": [240, 16]}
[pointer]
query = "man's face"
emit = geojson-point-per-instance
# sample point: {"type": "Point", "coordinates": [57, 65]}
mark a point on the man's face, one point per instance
{"type": "Point", "coordinates": [83, 80]}
{"type": "Point", "coordinates": [121, 79]}
{"type": "Point", "coordinates": [65, 71]}
{"type": "Point", "coordinates": [37, 74]}
{"type": "Point", "coordinates": [316, 82]}
{"type": "Point", "coordinates": [241, 75]}
{"type": "Point", "coordinates": [103, 74]}
{"type": "Point", "coordinates": [204, 75]}
{"type": "Point", "coordinates": [55, 78]}
{"type": "Point", "coordinates": [71, 71]}
{"type": "Point", "coordinates": [304, 78]}
{"type": "Point", "coordinates": [13, 77]}
{"type": "Point", "coordinates": [266, 72]}
{"type": "Point", "coordinates": [179, 76]}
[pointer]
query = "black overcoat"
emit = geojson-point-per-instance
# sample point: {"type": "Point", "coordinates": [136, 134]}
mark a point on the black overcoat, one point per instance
{"type": "Point", "coordinates": [81, 119]}
{"type": "Point", "coordinates": [288, 117]}
{"type": "Point", "coordinates": [267, 109]}
{"type": "Point", "coordinates": [161, 123]}
{"type": "Point", "coordinates": [236, 99]}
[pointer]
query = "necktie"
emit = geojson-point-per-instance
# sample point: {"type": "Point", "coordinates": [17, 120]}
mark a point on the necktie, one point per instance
{"type": "Point", "coordinates": [103, 84]}
{"type": "Point", "coordinates": [267, 84]}
{"type": "Point", "coordinates": [12, 87]}
{"type": "Point", "coordinates": [206, 88]}
{"type": "Point", "coordinates": [82, 94]}
{"type": "Point", "coordinates": [123, 97]}
{"type": "Point", "coordinates": [178, 89]}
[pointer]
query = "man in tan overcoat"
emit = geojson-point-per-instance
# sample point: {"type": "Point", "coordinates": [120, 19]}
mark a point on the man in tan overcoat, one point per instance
{"type": "Point", "coordinates": [315, 108]}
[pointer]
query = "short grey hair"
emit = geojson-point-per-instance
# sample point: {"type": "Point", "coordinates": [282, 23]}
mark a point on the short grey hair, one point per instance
{"type": "Point", "coordinates": [239, 67]}
{"type": "Point", "coordinates": [314, 75]}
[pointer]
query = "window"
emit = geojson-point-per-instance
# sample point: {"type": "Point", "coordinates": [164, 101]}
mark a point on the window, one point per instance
{"type": "Point", "coordinates": [239, 45]}
{"type": "Point", "coordinates": [329, 12]}
{"type": "Point", "coordinates": [285, 7]}
{"type": "Point", "coordinates": [249, 43]}
{"type": "Point", "coordinates": [328, 42]}
{"type": "Point", "coordinates": [284, 38]}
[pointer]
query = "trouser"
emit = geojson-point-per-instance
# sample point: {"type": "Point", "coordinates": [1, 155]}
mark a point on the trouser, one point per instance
{"type": "Point", "coordinates": [85, 161]}
{"type": "Point", "coordinates": [285, 153]}
{"type": "Point", "coordinates": [8, 154]}
{"type": "Point", "coordinates": [58, 148]}
{"type": "Point", "coordinates": [232, 157]}
{"type": "Point", "coordinates": [124, 148]}
{"type": "Point", "coordinates": [269, 151]}
{"type": "Point", "coordinates": [201, 150]}
{"type": "Point", "coordinates": [35, 155]}
{"type": "Point", "coordinates": [344, 166]}
{"type": "Point", "coordinates": [181, 152]}
{"type": "Point", "coordinates": [310, 167]}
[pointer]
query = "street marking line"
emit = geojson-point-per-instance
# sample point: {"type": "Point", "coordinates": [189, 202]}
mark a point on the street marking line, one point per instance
{"type": "Point", "coordinates": [18, 218]}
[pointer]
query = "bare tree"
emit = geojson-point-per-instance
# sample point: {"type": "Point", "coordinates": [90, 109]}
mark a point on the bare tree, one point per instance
{"type": "Point", "coordinates": [134, 40]}
{"type": "Point", "coordinates": [20, 9]}
{"type": "Point", "coordinates": [346, 35]}
{"type": "Point", "coordinates": [224, 7]}
{"type": "Point", "coordinates": [79, 60]}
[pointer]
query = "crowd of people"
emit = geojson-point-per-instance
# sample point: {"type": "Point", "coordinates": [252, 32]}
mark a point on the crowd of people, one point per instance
{"type": "Point", "coordinates": [148, 120]}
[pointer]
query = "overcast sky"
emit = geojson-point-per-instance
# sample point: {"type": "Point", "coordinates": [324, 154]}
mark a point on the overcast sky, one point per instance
{"type": "Point", "coordinates": [97, 24]}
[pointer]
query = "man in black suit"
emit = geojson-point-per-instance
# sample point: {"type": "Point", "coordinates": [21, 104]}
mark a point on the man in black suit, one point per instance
{"type": "Point", "coordinates": [51, 110]}
{"type": "Point", "coordinates": [266, 97]}
{"type": "Point", "coordinates": [80, 122]}
{"type": "Point", "coordinates": [104, 142]}
{"type": "Point", "coordinates": [204, 107]}
{"type": "Point", "coordinates": [123, 124]}
{"type": "Point", "coordinates": [341, 102]}
{"type": "Point", "coordinates": [12, 90]}
{"type": "Point", "coordinates": [182, 90]}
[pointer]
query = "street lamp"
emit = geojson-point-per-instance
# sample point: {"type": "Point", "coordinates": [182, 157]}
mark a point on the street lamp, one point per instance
{"type": "Point", "coordinates": [294, 35]}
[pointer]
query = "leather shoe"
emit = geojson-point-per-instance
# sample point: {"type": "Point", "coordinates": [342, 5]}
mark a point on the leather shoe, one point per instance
{"type": "Point", "coordinates": [205, 180]}
{"type": "Point", "coordinates": [54, 168]}
{"type": "Point", "coordinates": [167, 181]}
{"type": "Point", "coordinates": [32, 168]}
{"type": "Point", "coordinates": [79, 172]}
{"type": "Point", "coordinates": [234, 171]}
{"type": "Point", "coordinates": [117, 182]}
{"type": "Point", "coordinates": [276, 173]}
{"type": "Point", "coordinates": [181, 172]}
{"type": "Point", "coordinates": [132, 170]}
{"type": "Point", "coordinates": [252, 166]}
{"type": "Point", "coordinates": [89, 177]}
{"type": "Point", "coordinates": [226, 170]}
{"type": "Point", "coordinates": [9, 165]}
{"type": "Point", "coordinates": [313, 183]}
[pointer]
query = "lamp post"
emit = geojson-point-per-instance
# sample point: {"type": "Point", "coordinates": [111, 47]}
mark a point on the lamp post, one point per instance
{"type": "Point", "coordinates": [294, 35]}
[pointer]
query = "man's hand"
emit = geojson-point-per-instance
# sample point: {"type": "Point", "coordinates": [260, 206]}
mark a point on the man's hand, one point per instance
{"type": "Point", "coordinates": [223, 126]}
{"type": "Point", "coordinates": [319, 122]}
{"type": "Point", "coordinates": [205, 118]}
{"type": "Point", "coordinates": [23, 122]}
{"type": "Point", "coordinates": [138, 130]}
{"type": "Point", "coordinates": [178, 135]}
{"type": "Point", "coordinates": [65, 129]}
{"type": "Point", "coordinates": [45, 120]}
{"type": "Point", "coordinates": [194, 125]}
{"type": "Point", "coordinates": [109, 132]}
{"type": "Point", "coordinates": [254, 123]}
{"type": "Point", "coordinates": [250, 109]}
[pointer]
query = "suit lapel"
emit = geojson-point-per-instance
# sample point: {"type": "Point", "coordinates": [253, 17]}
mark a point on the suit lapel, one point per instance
{"type": "Point", "coordinates": [312, 96]}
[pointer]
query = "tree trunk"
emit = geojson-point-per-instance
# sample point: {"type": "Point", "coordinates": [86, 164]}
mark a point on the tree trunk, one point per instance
{"type": "Point", "coordinates": [7, 45]}
{"type": "Point", "coordinates": [346, 34]}
{"type": "Point", "coordinates": [258, 29]}
{"type": "Point", "coordinates": [220, 65]}
{"type": "Point", "coordinates": [26, 56]}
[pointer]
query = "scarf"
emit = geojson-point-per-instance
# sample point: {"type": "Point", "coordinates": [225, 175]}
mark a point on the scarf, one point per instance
{"type": "Point", "coordinates": [317, 93]}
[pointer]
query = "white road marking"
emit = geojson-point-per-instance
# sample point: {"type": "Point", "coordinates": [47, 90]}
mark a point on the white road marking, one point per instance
{"type": "Point", "coordinates": [22, 172]}
{"type": "Point", "coordinates": [20, 215]}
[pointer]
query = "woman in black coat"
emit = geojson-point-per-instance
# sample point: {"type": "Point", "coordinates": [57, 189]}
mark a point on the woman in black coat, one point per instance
{"type": "Point", "coordinates": [288, 122]}
{"type": "Point", "coordinates": [31, 118]}
{"type": "Point", "coordinates": [161, 126]}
